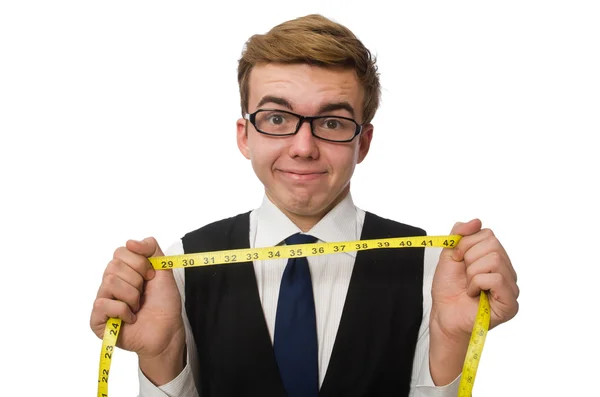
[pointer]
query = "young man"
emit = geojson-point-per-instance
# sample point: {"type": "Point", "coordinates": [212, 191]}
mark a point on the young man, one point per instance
{"type": "Point", "coordinates": [373, 323]}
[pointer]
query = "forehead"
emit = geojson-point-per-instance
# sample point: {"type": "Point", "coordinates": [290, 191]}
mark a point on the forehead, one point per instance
{"type": "Point", "coordinates": [306, 87]}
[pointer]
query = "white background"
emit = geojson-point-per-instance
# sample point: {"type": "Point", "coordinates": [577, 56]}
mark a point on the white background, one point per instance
{"type": "Point", "coordinates": [117, 122]}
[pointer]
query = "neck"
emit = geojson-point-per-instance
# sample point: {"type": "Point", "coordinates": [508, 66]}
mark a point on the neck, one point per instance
{"type": "Point", "coordinates": [306, 221]}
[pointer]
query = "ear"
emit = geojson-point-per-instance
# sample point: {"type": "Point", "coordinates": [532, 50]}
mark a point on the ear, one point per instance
{"type": "Point", "coordinates": [242, 137]}
{"type": "Point", "coordinates": [364, 142]}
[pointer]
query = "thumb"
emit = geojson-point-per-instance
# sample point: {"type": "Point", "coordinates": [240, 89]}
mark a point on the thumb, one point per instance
{"type": "Point", "coordinates": [148, 247]}
{"type": "Point", "coordinates": [466, 229]}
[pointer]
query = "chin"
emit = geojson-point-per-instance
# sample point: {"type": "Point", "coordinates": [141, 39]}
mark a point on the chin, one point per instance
{"type": "Point", "coordinates": [304, 201]}
{"type": "Point", "coordinates": [308, 204]}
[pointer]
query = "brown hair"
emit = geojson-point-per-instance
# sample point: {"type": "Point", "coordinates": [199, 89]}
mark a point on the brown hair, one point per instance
{"type": "Point", "coordinates": [315, 40]}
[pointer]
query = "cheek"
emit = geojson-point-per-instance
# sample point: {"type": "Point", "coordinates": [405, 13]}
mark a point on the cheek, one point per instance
{"type": "Point", "coordinates": [263, 153]}
{"type": "Point", "coordinates": [342, 159]}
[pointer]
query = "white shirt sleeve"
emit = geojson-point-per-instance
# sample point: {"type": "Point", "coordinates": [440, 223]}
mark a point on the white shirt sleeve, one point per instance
{"type": "Point", "coordinates": [183, 385]}
{"type": "Point", "coordinates": [422, 384]}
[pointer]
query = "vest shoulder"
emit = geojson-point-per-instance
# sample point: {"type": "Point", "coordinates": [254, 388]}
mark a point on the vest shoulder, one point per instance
{"type": "Point", "coordinates": [391, 226]}
{"type": "Point", "coordinates": [219, 227]}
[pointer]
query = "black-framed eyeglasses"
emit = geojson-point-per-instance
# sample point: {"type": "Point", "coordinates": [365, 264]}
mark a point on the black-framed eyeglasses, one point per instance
{"type": "Point", "coordinates": [283, 123]}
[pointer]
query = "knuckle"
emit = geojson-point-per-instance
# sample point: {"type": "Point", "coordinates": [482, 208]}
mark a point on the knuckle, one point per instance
{"type": "Point", "coordinates": [113, 266]}
{"type": "Point", "coordinates": [99, 305]}
{"type": "Point", "coordinates": [111, 280]}
{"type": "Point", "coordinates": [488, 233]}
{"type": "Point", "coordinates": [496, 259]}
{"type": "Point", "coordinates": [118, 254]}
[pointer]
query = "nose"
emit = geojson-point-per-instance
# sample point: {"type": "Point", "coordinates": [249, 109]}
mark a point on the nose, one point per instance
{"type": "Point", "coordinates": [303, 143]}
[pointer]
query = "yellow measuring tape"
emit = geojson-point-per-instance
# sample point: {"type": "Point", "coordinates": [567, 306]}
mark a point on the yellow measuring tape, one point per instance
{"type": "Point", "coordinates": [480, 328]}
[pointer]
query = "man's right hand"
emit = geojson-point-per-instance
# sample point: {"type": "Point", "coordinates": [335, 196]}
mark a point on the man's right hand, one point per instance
{"type": "Point", "coordinates": [149, 304]}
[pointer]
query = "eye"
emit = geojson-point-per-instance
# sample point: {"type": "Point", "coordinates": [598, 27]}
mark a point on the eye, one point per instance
{"type": "Point", "coordinates": [276, 118]}
{"type": "Point", "coordinates": [332, 123]}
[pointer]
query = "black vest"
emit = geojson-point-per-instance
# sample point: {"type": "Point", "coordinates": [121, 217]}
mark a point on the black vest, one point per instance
{"type": "Point", "coordinates": [375, 343]}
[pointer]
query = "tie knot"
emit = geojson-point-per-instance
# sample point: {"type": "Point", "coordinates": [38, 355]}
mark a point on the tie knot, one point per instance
{"type": "Point", "coordinates": [300, 238]}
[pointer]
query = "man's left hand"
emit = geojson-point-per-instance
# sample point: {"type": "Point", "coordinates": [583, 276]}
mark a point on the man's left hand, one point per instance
{"type": "Point", "coordinates": [477, 263]}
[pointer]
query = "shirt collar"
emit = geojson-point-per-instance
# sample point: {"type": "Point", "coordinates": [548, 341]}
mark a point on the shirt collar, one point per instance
{"type": "Point", "coordinates": [339, 224]}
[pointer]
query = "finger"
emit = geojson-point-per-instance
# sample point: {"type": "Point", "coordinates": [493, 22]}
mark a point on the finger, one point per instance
{"type": "Point", "coordinates": [465, 229]}
{"type": "Point", "coordinates": [136, 261]}
{"type": "Point", "coordinates": [503, 302]}
{"type": "Point", "coordinates": [468, 242]}
{"type": "Point", "coordinates": [125, 272]}
{"type": "Point", "coordinates": [492, 263]}
{"type": "Point", "coordinates": [148, 247]}
{"type": "Point", "coordinates": [462, 229]}
{"type": "Point", "coordinates": [486, 246]}
{"type": "Point", "coordinates": [499, 288]}
{"type": "Point", "coordinates": [113, 287]}
{"type": "Point", "coordinates": [105, 309]}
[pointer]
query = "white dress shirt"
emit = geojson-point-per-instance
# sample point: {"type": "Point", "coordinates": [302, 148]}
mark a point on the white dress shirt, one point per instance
{"type": "Point", "coordinates": [330, 276]}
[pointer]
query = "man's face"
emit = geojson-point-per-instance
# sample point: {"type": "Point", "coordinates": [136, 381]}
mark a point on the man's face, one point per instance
{"type": "Point", "coordinates": [304, 176]}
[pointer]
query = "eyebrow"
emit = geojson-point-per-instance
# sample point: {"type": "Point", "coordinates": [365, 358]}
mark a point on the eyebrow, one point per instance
{"type": "Point", "coordinates": [328, 107]}
{"type": "Point", "coordinates": [275, 100]}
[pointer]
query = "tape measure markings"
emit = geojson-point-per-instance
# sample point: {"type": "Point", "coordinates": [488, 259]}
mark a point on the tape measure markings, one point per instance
{"type": "Point", "coordinates": [111, 333]}
{"type": "Point", "coordinates": [475, 348]}
{"type": "Point", "coordinates": [476, 342]}
{"type": "Point", "coordinates": [298, 251]}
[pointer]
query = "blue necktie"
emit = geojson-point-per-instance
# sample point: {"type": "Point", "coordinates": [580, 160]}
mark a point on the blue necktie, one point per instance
{"type": "Point", "coordinates": [295, 341]}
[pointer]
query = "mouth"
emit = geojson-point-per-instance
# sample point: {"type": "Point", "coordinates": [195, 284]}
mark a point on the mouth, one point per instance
{"type": "Point", "coordinates": [302, 175]}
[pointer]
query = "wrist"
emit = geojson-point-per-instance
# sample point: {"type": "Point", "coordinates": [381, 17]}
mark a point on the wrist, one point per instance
{"type": "Point", "coordinates": [447, 351]}
{"type": "Point", "coordinates": [163, 368]}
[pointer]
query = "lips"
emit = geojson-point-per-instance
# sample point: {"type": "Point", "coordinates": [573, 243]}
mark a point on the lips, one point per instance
{"type": "Point", "coordinates": [303, 172]}
{"type": "Point", "coordinates": [302, 175]}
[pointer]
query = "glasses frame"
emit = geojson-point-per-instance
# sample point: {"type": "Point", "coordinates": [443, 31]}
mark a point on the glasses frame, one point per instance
{"type": "Point", "coordinates": [301, 119]}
